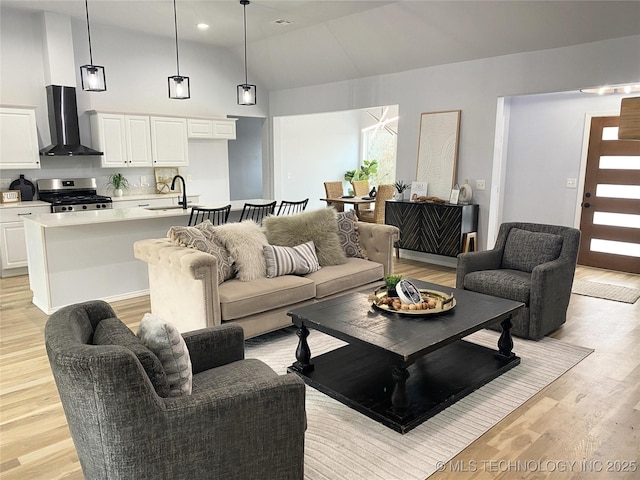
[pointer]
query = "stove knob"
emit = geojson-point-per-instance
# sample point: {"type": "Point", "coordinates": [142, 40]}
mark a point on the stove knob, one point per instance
{"type": "Point", "coordinates": [69, 208]}
{"type": "Point", "coordinates": [64, 209]}
{"type": "Point", "coordinates": [84, 207]}
{"type": "Point", "coordinates": [97, 205]}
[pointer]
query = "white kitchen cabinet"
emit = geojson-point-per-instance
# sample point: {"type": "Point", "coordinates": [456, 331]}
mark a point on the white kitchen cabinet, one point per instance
{"type": "Point", "coordinates": [124, 139]}
{"type": "Point", "coordinates": [18, 139]}
{"type": "Point", "coordinates": [169, 142]}
{"type": "Point", "coordinates": [13, 249]}
{"type": "Point", "coordinates": [216, 129]}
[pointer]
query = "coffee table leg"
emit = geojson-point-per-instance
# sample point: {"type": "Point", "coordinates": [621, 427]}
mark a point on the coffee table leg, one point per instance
{"type": "Point", "coordinates": [505, 342]}
{"type": "Point", "coordinates": [400, 397]}
{"type": "Point", "coordinates": [303, 352]}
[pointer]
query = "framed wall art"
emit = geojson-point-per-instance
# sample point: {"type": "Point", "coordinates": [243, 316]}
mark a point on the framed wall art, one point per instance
{"type": "Point", "coordinates": [164, 175]}
{"type": "Point", "coordinates": [438, 151]}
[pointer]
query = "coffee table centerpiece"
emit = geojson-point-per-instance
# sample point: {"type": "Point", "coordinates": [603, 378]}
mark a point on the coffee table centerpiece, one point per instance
{"type": "Point", "coordinates": [402, 369]}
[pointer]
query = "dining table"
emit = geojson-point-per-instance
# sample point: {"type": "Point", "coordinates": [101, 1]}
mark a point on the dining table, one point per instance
{"type": "Point", "coordinates": [350, 200]}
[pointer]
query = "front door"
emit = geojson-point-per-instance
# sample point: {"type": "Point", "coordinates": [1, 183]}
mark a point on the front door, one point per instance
{"type": "Point", "coordinates": [610, 218]}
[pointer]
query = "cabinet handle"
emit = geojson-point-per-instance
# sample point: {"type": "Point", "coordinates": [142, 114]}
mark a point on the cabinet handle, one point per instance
{"type": "Point", "coordinates": [22, 214]}
{"type": "Point", "coordinates": [143, 204]}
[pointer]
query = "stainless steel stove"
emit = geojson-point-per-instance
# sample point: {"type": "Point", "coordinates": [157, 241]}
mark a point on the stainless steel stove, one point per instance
{"type": "Point", "coordinates": [72, 194]}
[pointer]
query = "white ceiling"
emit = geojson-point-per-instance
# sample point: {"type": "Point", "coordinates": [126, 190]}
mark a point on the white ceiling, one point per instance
{"type": "Point", "coordinates": [338, 40]}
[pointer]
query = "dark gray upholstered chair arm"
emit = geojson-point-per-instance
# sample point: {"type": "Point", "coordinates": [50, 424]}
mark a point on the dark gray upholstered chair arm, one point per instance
{"type": "Point", "coordinates": [550, 294]}
{"type": "Point", "coordinates": [214, 346]}
{"type": "Point", "coordinates": [475, 261]}
{"type": "Point", "coordinates": [241, 428]}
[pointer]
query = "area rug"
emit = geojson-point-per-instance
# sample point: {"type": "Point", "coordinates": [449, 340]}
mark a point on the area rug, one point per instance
{"type": "Point", "coordinates": [606, 291]}
{"type": "Point", "coordinates": [341, 443]}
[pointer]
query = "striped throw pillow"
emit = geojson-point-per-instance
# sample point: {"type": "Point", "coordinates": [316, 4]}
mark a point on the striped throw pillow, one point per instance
{"type": "Point", "coordinates": [298, 260]}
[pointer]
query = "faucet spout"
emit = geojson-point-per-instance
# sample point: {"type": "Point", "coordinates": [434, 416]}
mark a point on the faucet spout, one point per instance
{"type": "Point", "coordinates": [184, 190]}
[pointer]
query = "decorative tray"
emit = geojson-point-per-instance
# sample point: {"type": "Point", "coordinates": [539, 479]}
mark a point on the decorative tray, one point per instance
{"type": "Point", "coordinates": [440, 301]}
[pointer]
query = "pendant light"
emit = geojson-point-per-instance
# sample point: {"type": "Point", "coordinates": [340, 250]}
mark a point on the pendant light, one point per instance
{"type": "Point", "coordinates": [92, 76]}
{"type": "Point", "coordinates": [246, 92]}
{"type": "Point", "coordinates": [178, 85]}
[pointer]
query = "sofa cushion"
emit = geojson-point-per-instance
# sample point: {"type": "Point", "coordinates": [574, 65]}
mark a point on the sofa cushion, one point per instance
{"type": "Point", "coordinates": [298, 260]}
{"type": "Point", "coordinates": [348, 234]}
{"type": "Point", "coordinates": [338, 278]}
{"type": "Point", "coordinates": [239, 299]}
{"type": "Point", "coordinates": [245, 241]}
{"type": "Point", "coordinates": [111, 331]}
{"type": "Point", "coordinates": [524, 250]}
{"type": "Point", "coordinates": [503, 283]}
{"type": "Point", "coordinates": [201, 238]}
{"type": "Point", "coordinates": [163, 339]}
{"type": "Point", "coordinates": [319, 226]}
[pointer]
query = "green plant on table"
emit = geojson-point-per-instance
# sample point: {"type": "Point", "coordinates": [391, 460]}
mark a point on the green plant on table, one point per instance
{"type": "Point", "coordinates": [401, 186]}
{"type": "Point", "coordinates": [391, 281]}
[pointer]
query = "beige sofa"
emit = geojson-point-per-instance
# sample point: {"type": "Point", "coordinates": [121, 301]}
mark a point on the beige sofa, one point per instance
{"type": "Point", "coordinates": [184, 288]}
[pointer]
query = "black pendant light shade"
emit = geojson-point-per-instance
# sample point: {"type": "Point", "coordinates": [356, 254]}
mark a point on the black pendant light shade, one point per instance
{"type": "Point", "coordinates": [246, 92]}
{"type": "Point", "coordinates": [179, 87]}
{"type": "Point", "coordinates": [92, 76]}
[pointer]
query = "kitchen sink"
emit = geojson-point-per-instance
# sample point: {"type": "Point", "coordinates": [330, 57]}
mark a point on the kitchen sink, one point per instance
{"type": "Point", "coordinates": [167, 207]}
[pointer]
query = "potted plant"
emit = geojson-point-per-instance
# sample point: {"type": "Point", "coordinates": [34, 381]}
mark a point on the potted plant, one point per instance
{"type": "Point", "coordinates": [117, 182]}
{"type": "Point", "coordinates": [366, 171]}
{"type": "Point", "coordinates": [400, 188]}
{"type": "Point", "coordinates": [391, 281]}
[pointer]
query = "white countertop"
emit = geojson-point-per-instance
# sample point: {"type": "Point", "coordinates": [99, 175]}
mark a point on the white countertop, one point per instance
{"type": "Point", "coordinates": [65, 219]}
{"type": "Point", "coordinates": [152, 196]}
{"type": "Point", "coordinates": [28, 204]}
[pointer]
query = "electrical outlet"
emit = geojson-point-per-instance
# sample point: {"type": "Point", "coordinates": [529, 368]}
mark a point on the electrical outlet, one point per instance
{"type": "Point", "coordinates": [480, 185]}
{"type": "Point", "coordinates": [572, 183]}
{"type": "Point", "coordinates": [143, 180]}
{"type": "Point", "coordinates": [188, 178]}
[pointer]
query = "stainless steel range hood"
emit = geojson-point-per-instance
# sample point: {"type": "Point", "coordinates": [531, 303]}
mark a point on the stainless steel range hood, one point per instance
{"type": "Point", "coordinates": [63, 123]}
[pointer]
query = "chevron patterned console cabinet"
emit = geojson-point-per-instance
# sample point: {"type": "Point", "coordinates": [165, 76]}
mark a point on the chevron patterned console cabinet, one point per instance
{"type": "Point", "coordinates": [432, 227]}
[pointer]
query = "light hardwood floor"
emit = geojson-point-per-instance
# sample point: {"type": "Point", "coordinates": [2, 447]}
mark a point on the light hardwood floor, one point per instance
{"type": "Point", "coordinates": [590, 416]}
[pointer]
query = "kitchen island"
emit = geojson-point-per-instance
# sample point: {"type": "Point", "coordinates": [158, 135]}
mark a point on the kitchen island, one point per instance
{"type": "Point", "coordinates": [79, 256]}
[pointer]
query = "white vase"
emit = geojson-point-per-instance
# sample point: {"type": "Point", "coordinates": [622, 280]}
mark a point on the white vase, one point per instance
{"type": "Point", "coordinates": [465, 193]}
{"type": "Point", "coordinates": [118, 192]}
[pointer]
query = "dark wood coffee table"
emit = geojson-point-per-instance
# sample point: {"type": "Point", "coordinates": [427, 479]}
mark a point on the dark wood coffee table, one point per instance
{"type": "Point", "coordinates": [402, 370]}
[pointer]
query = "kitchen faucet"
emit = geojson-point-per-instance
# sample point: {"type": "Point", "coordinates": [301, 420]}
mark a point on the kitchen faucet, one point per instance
{"type": "Point", "coordinates": [184, 190]}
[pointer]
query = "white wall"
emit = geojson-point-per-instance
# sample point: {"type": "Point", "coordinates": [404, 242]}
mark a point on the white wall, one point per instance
{"type": "Point", "coordinates": [137, 67]}
{"type": "Point", "coordinates": [313, 149]}
{"type": "Point", "coordinates": [473, 87]}
{"type": "Point", "coordinates": [545, 149]}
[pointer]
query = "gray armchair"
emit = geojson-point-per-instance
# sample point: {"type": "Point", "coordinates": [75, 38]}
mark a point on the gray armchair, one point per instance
{"type": "Point", "coordinates": [241, 421]}
{"type": "Point", "coordinates": [530, 263]}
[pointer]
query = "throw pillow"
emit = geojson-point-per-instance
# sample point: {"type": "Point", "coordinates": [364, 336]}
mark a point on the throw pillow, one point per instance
{"type": "Point", "coordinates": [111, 331]}
{"type": "Point", "coordinates": [525, 250]}
{"type": "Point", "coordinates": [163, 339]}
{"type": "Point", "coordinates": [348, 234]}
{"type": "Point", "coordinates": [298, 260]}
{"type": "Point", "coordinates": [201, 238]}
{"type": "Point", "coordinates": [318, 226]}
{"type": "Point", "coordinates": [244, 241]}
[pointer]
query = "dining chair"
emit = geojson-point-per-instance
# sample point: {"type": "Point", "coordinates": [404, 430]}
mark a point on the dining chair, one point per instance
{"type": "Point", "coordinates": [256, 212]}
{"type": "Point", "coordinates": [287, 208]}
{"type": "Point", "coordinates": [361, 189]}
{"type": "Point", "coordinates": [217, 216]}
{"type": "Point", "coordinates": [385, 192]}
{"type": "Point", "coordinates": [334, 190]}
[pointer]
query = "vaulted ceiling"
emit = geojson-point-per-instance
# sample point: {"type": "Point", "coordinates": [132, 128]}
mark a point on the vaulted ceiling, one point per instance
{"type": "Point", "coordinates": [329, 41]}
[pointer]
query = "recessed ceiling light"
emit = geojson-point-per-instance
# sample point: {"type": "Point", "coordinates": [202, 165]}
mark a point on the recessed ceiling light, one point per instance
{"type": "Point", "coordinates": [203, 26]}
{"type": "Point", "coordinates": [282, 22]}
